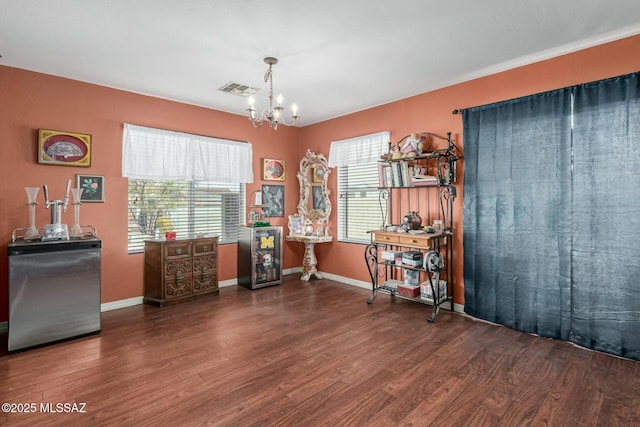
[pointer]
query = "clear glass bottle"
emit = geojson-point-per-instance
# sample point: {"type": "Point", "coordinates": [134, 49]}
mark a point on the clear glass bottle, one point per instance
{"type": "Point", "coordinates": [76, 230]}
{"type": "Point", "coordinates": [32, 193]}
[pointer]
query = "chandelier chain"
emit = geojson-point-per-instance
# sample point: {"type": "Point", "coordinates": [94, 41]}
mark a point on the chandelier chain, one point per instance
{"type": "Point", "coordinates": [273, 115]}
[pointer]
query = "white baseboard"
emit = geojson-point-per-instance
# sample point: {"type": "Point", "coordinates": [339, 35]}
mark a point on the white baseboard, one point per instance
{"type": "Point", "coordinates": [227, 283]}
{"type": "Point", "coordinates": [293, 270]}
{"type": "Point", "coordinates": [114, 305]}
{"type": "Point", "coordinates": [458, 308]}
{"type": "Point", "coordinates": [130, 302]}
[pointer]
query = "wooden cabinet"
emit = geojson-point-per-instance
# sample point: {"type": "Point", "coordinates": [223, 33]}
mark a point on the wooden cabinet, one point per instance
{"type": "Point", "coordinates": [180, 270]}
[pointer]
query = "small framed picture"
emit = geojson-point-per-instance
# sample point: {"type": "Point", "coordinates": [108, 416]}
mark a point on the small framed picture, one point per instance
{"type": "Point", "coordinates": [318, 174]}
{"type": "Point", "coordinates": [92, 188]}
{"type": "Point", "coordinates": [295, 224]}
{"type": "Point", "coordinates": [64, 148]}
{"type": "Point", "coordinates": [273, 170]}
{"type": "Point", "coordinates": [273, 197]}
{"type": "Point", "coordinates": [318, 198]}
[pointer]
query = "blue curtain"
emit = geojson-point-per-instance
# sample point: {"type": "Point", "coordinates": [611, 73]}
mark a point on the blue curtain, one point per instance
{"type": "Point", "coordinates": [605, 257]}
{"type": "Point", "coordinates": [549, 242]}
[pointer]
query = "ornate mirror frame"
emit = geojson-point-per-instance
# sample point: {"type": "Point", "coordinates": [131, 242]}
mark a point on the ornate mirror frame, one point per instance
{"type": "Point", "coordinates": [313, 165]}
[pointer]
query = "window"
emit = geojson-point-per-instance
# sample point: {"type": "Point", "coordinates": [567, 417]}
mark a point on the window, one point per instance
{"type": "Point", "coordinates": [358, 204]}
{"type": "Point", "coordinates": [189, 208]}
{"type": "Point", "coordinates": [191, 184]}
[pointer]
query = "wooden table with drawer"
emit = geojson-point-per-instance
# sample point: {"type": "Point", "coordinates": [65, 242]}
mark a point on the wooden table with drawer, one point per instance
{"type": "Point", "coordinates": [416, 241]}
{"type": "Point", "coordinates": [180, 270]}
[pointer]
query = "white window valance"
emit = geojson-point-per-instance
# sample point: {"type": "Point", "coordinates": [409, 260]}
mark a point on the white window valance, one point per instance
{"type": "Point", "coordinates": [149, 153]}
{"type": "Point", "coordinates": [358, 150]}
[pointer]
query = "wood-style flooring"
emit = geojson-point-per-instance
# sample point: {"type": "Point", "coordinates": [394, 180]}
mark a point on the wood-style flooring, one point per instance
{"type": "Point", "coordinates": [314, 354]}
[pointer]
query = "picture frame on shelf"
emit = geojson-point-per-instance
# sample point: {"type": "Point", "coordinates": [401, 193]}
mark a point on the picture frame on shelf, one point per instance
{"type": "Point", "coordinates": [93, 190]}
{"type": "Point", "coordinates": [64, 148]}
{"type": "Point", "coordinates": [295, 224]}
{"type": "Point", "coordinates": [273, 170]}
{"type": "Point", "coordinates": [273, 198]}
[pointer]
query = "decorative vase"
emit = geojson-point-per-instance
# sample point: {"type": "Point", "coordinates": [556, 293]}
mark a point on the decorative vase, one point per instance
{"type": "Point", "coordinates": [411, 221]}
{"type": "Point", "coordinates": [32, 193]}
{"type": "Point", "coordinates": [76, 230]}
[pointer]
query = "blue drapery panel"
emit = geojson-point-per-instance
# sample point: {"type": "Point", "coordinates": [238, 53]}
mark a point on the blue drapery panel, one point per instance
{"type": "Point", "coordinates": [516, 228]}
{"type": "Point", "coordinates": [605, 289]}
{"type": "Point", "coordinates": [551, 214]}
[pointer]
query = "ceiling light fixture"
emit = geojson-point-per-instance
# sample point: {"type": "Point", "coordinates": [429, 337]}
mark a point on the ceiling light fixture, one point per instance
{"type": "Point", "coordinates": [273, 114]}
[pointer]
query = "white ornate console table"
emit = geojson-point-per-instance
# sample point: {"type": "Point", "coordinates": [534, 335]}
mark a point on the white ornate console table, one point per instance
{"type": "Point", "coordinates": [309, 261]}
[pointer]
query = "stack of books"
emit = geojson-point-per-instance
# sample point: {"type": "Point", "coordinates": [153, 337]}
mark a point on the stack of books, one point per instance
{"type": "Point", "coordinates": [422, 179]}
{"type": "Point", "coordinates": [401, 174]}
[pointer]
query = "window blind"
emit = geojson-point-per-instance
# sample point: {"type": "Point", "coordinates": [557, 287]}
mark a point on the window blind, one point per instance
{"type": "Point", "coordinates": [190, 208]}
{"type": "Point", "coordinates": [358, 203]}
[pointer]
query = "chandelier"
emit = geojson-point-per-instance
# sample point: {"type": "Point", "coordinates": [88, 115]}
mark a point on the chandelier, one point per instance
{"type": "Point", "coordinates": [274, 113]}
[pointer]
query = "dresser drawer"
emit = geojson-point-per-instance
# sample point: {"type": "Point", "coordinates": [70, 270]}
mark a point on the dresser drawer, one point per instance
{"type": "Point", "coordinates": [386, 238]}
{"type": "Point", "coordinates": [175, 267]}
{"type": "Point", "coordinates": [205, 247]}
{"type": "Point", "coordinates": [415, 241]}
{"type": "Point", "coordinates": [178, 287]}
{"type": "Point", "coordinates": [177, 249]}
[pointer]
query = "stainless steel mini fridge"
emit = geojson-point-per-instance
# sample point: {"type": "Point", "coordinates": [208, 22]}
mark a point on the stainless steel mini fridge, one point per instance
{"type": "Point", "coordinates": [260, 256]}
{"type": "Point", "coordinates": [54, 291]}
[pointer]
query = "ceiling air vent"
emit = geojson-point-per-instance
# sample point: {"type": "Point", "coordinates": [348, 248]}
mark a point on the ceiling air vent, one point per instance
{"type": "Point", "coordinates": [238, 89]}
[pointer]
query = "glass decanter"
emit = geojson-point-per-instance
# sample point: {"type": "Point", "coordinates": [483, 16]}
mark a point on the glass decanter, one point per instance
{"type": "Point", "coordinates": [76, 230]}
{"type": "Point", "coordinates": [32, 193]}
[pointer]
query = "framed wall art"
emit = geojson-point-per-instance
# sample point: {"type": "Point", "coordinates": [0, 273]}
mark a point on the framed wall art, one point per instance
{"type": "Point", "coordinates": [273, 197]}
{"type": "Point", "coordinates": [318, 198]}
{"type": "Point", "coordinates": [273, 170]}
{"type": "Point", "coordinates": [318, 174]}
{"type": "Point", "coordinates": [92, 188]}
{"type": "Point", "coordinates": [64, 148]}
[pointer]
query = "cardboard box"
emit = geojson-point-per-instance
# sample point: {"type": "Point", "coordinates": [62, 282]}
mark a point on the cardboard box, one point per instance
{"type": "Point", "coordinates": [409, 291]}
{"type": "Point", "coordinates": [393, 256]}
{"type": "Point", "coordinates": [425, 290]}
{"type": "Point", "coordinates": [412, 255]}
{"type": "Point", "coordinates": [412, 277]}
{"type": "Point", "coordinates": [390, 286]}
{"type": "Point", "coordinates": [412, 262]}
{"type": "Point", "coordinates": [412, 258]}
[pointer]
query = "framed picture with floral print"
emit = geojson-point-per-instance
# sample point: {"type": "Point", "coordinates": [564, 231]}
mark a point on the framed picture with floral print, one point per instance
{"type": "Point", "coordinates": [92, 188]}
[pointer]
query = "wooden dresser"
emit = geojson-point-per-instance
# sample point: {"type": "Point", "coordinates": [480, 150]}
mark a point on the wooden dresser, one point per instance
{"type": "Point", "coordinates": [180, 270]}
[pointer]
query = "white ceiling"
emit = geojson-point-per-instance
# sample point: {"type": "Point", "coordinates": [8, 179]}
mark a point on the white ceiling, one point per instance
{"type": "Point", "coordinates": [336, 56]}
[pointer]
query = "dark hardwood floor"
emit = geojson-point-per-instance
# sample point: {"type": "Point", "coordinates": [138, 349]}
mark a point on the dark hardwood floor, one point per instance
{"type": "Point", "coordinates": [311, 354]}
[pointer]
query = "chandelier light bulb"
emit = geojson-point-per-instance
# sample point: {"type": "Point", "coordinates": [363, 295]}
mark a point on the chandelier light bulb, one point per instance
{"type": "Point", "coordinates": [273, 114]}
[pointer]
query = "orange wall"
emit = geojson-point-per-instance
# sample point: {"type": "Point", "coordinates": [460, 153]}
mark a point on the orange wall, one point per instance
{"type": "Point", "coordinates": [432, 112]}
{"type": "Point", "coordinates": [32, 100]}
